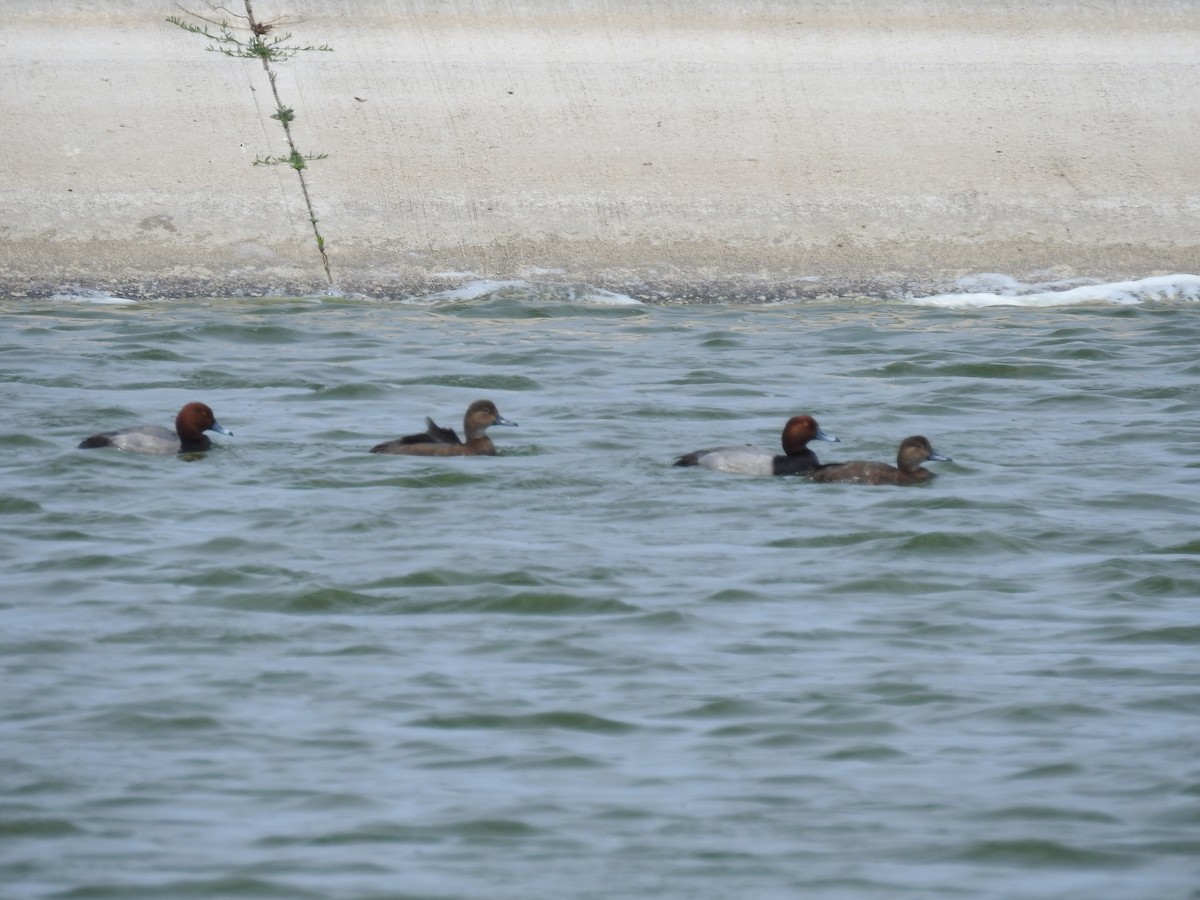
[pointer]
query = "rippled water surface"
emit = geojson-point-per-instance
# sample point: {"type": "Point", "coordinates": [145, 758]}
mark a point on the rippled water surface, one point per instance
{"type": "Point", "coordinates": [289, 668]}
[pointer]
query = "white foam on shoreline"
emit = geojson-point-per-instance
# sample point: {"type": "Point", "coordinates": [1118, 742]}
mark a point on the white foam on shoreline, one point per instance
{"type": "Point", "coordinates": [87, 295]}
{"type": "Point", "coordinates": [570, 293]}
{"type": "Point", "coordinates": [977, 291]}
{"type": "Point", "coordinates": [1001, 290]}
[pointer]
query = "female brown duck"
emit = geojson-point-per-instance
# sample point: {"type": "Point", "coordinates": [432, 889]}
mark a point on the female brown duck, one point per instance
{"type": "Point", "coordinates": [438, 441]}
{"type": "Point", "coordinates": [913, 451]}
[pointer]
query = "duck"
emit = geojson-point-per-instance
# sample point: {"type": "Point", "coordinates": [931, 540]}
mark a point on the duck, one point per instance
{"type": "Point", "coordinates": [747, 459]}
{"type": "Point", "coordinates": [438, 441]}
{"type": "Point", "coordinates": [188, 437]}
{"type": "Point", "coordinates": [913, 451]}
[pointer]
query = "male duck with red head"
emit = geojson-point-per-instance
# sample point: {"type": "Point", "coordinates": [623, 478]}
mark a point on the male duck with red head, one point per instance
{"type": "Point", "coordinates": [747, 459]}
{"type": "Point", "coordinates": [188, 437]}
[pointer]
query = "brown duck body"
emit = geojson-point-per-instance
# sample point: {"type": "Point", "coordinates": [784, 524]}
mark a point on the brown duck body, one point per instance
{"type": "Point", "coordinates": [913, 451]}
{"type": "Point", "coordinates": [438, 441]}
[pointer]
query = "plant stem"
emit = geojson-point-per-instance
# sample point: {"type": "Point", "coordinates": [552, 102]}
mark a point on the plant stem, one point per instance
{"type": "Point", "coordinates": [285, 121]}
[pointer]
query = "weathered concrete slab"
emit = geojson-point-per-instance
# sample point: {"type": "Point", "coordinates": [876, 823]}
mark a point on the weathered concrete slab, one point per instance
{"type": "Point", "coordinates": [770, 146]}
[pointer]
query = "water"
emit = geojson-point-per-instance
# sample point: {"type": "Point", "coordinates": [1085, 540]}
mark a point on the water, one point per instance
{"type": "Point", "coordinates": [292, 669]}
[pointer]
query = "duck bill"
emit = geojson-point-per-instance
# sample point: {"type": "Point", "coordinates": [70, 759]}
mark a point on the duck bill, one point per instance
{"type": "Point", "coordinates": [500, 420]}
{"type": "Point", "coordinates": [220, 429]}
{"type": "Point", "coordinates": [823, 435]}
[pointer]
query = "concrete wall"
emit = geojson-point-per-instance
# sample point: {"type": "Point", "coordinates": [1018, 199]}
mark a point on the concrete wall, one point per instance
{"type": "Point", "coordinates": [639, 144]}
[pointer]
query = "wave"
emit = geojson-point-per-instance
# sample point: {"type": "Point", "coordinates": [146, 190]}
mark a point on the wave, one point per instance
{"type": "Point", "coordinates": [1000, 290]}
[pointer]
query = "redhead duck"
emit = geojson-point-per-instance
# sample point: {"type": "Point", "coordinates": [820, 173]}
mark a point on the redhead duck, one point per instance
{"type": "Point", "coordinates": [188, 437]}
{"type": "Point", "coordinates": [438, 441]}
{"type": "Point", "coordinates": [747, 459]}
{"type": "Point", "coordinates": [913, 451]}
